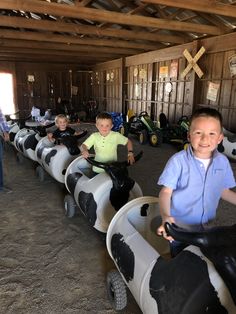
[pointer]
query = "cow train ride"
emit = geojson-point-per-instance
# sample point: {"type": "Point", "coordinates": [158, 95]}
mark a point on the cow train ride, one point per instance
{"type": "Point", "coordinates": [54, 158]}
{"type": "Point", "coordinates": [27, 138]}
{"type": "Point", "coordinates": [200, 279]}
{"type": "Point", "coordinates": [101, 196]}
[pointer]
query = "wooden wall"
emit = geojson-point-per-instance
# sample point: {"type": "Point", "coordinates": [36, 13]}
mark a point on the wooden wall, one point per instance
{"type": "Point", "coordinates": [215, 65]}
{"type": "Point", "coordinates": [145, 87]}
{"type": "Point", "coordinates": [107, 83]}
{"type": "Point", "coordinates": [50, 82]}
{"type": "Point", "coordinates": [136, 82]}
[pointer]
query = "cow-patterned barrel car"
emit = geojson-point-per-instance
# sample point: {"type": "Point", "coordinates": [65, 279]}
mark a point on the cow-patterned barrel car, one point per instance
{"type": "Point", "coordinates": [197, 280]}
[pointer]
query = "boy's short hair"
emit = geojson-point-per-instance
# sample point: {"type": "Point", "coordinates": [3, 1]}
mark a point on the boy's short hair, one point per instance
{"type": "Point", "coordinates": [104, 115]}
{"type": "Point", "coordinates": [61, 116]}
{"type": "Point", "coordinates": [207, 112]}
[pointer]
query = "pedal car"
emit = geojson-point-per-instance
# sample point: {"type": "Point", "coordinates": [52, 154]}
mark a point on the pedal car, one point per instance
{"type": "Point", "coordinates": [200, 279]}
{"type": "Point", "coordinates": [228, 145]}
{"type": "Point", "coordinates": [144, 128]}
{"type": "Point", "coordinates": [174, 133]}
{"type": "Point", "coordinates": [98, 197]}
{"type": "Point", "coordinates": [54, 158]}
{"type": "Point", "coordinates": [27, 138]}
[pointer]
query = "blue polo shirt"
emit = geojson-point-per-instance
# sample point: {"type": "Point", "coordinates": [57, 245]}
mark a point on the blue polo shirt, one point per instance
{"type": "Point", "coordinates": [196, 192]}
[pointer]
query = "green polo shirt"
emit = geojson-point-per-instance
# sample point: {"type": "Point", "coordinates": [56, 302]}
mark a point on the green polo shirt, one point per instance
{"type": "Point", "coordinates": [105, 147]}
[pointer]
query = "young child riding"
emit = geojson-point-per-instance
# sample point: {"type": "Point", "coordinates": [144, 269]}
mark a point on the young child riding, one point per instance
{"type": "Point", "coordinates": [105, 142]}
{"type": "Point", "coordinates": [63, 129]}
{"type": "Point", "coordinates": [194, 180]}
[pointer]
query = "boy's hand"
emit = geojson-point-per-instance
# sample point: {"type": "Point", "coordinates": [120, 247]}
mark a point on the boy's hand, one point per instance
{"type": "Point", "coordinates": [161, 230]}
{"type": "Point", "coordinates": [85, 154]}
{"type": "Point", "coordinates": [131, 159]}
{"type": "Point", "coordinates": [49, 135]}
{"type": "Point", "coordinates": [6, 136]}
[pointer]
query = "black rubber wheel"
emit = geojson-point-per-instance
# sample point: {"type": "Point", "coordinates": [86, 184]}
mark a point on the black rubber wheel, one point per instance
{"type": "Point", "coordinates": [116, 290]}
{"type": "Point", "coordinates": [124, 130]}
{"type": "Point", "coordinates": [69, 206]}
{"type": "Point", "coordinates": [143, 137]}
{"type": "Point", "coordinates": [40, 172]}
{"type": "Point", "coordinates": [155, 139]}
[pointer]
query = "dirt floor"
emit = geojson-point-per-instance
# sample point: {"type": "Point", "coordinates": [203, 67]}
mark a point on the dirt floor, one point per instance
{"type": "Point", "coordinates": [50, 264]}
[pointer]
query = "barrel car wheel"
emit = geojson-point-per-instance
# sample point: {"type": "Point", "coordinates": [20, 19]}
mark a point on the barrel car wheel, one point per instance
{"type": "Point", "coordinates": [116, 290]}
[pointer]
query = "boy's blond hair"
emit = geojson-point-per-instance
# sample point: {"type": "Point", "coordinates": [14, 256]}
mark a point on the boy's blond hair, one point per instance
{"type": "Point", "coordinates": [61, 116]}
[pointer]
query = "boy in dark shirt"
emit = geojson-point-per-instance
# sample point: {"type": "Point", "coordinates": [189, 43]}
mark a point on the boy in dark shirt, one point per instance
{"type": "Point", "coordinates": [63, 129]}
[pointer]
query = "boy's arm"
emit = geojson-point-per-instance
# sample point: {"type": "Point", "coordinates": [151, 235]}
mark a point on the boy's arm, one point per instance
{"type": "Point", "coordinates": [229, 196]}
{"type": "Point", "coordinates": [50, 136]}
{"type": "Point", "coordinates": [131, 159]}
{"type": "Point", "coordinates": [84, 151]}
{"type": "Point", "coordinates": [164, 204]}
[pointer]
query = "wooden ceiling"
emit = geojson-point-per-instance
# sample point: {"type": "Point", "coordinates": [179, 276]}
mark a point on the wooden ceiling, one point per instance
{"type": "Point", "coordinates": [88, 32]}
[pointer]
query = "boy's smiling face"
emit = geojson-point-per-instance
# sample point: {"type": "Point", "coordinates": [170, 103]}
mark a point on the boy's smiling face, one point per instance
{"type": "Point", "coordinates": [104, 126]}
{"type": "Point", "coordinates": [62, 124]}
{"type": "Point", "coordinates": [205, 134]}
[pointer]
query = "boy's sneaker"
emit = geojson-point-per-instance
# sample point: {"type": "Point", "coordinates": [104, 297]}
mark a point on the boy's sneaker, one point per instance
{"type": "Point", "coordinates": [6, 190]}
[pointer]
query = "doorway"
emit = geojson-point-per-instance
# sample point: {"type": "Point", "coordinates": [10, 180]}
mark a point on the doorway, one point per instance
{"type": "Point", "coordinates": [7, 93]}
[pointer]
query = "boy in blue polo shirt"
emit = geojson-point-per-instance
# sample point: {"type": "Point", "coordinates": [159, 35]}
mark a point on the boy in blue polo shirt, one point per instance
{"type": "Point", "coordinates": [194, 180]}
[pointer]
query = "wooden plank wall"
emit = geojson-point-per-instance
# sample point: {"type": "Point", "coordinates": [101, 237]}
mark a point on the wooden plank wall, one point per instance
{"type": "Point", "coordinates": [51, 81]}
{"type": "Point", "coordinates": [215, 65]}
{"type": "Point", "coordinates": [144, 89]}
{"type": "Point", "coordinates": [107, 85]}
{"type": "Point", "coordinates": [134, 82]}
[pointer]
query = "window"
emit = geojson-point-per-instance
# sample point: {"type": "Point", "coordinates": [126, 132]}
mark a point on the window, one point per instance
{"type": "Point", "coordinates": [6, 93]}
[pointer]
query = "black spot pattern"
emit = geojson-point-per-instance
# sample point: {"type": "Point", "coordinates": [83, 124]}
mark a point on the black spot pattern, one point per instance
{"type": "Point", "coordinates": [40, 151]}
{"type": "Point", "coordinates": [49, 156]}
{"type": "Point", "coordinates": [31, 142]}
{"type": "Point", "coordinates": [182, 285]}
{"type": "Point", "coordinates": [123, 256]}
{"type": "Point", "coordinates": [71, 181]}
{"type": "Point", "coordinates": [88, 205]}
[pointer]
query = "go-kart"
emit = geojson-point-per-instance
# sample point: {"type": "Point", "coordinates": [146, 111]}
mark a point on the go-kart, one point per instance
{"type": "Point", "coordinates": [174, 133]}
{"type": "Point", "coordinates": [27, 138]}
{"type": "Point", "coordinates": [144, 128]}
{"type": "Point", "coordinates": [54, 158]}
{"type": "Point", "coordinates": [228, 145]}
{"type": "Point", "coordinates": [200, 279]}
{"type": "Point", "coordinates": [101, 196]}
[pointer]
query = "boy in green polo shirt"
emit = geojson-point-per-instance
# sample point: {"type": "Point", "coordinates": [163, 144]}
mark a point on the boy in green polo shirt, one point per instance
{"type": "Point", "coordinates": [105, 142]}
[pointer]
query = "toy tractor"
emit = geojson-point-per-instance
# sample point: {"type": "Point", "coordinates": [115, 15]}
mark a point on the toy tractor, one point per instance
{"type": "Point", "coordinates": [145, 129]}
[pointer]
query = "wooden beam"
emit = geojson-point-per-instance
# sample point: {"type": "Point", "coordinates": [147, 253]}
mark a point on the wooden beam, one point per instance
{"type": "Point", "coordinates": [76, 40]}
{"type": "Point", "coordinates": [206, 6]}
{"type": "Point", "coordinates": [43, 59]}
{"type": "Point", "coordinates": [82, 48]}
{"type": "Point", "coordinates": [53, 26]}
{"type": "Point", "coordinates": [70, 47]}
{"type": "Point", "coordinates": [54, 52]}
{"type": "Point", "coordinates": [91, 14]}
